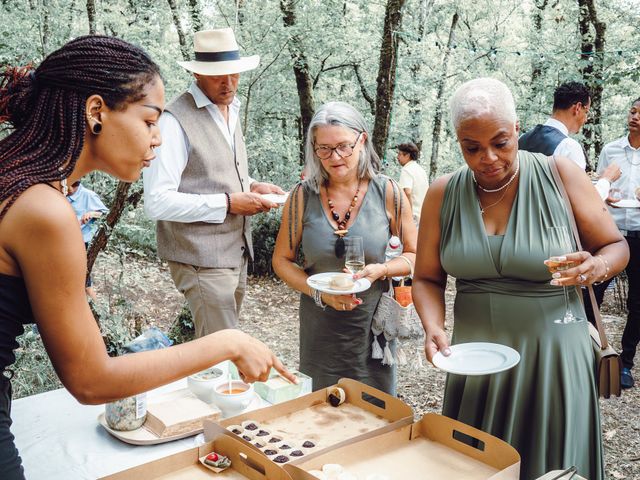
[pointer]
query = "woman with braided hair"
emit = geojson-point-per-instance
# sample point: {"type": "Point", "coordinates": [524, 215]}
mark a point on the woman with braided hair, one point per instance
{"type": "Point", "coordinates": [91, 105]}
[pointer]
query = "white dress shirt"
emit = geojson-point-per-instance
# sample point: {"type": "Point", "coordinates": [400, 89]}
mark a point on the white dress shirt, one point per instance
{"type": "Point", "coordinates": [414, 177]}
{"type": "Point", "coordinates": [571, 149]}
{"type": "Point", "coordinates": [628, 159]}
{"type": "Point", "coordinates": [162, 201]}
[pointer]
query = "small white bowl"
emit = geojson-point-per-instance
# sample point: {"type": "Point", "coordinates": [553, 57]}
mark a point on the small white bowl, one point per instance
{"type": "Point", "coordinates": [233, 403]}
{"type": "Point", "coordinates": [203, 383]}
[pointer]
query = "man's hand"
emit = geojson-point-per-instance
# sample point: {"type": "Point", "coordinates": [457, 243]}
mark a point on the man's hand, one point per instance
{"type": "Point", "coordinates": [250, 203]}
{"type": "Point", "coordinates": [611, 173]}
{"type": "Point", "coordinates": [263, 187]}
{"type": "Point", "coordinates": [87, 216]}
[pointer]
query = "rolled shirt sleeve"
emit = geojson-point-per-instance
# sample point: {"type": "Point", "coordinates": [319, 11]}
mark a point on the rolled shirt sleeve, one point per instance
{"type": "Point", "coordinates": [162, 201]}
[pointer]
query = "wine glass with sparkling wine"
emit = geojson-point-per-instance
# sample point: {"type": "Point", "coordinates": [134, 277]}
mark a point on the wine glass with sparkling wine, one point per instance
{"type": "Point", "coordinates": [354, 255]}
{"type": "Point", "coordinates": [559, 244]}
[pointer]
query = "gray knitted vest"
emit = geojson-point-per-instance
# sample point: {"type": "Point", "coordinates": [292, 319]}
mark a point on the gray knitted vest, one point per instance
{"type": "Point", "coordinates": [211, 168]}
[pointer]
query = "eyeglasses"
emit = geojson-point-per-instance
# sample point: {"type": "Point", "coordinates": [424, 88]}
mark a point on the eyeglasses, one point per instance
{"type": "Point", "coordinates": [343, 150]}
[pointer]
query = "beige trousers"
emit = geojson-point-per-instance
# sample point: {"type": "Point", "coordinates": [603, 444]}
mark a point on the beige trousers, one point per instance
{"type": "Point", "coordinates": [214, 295]}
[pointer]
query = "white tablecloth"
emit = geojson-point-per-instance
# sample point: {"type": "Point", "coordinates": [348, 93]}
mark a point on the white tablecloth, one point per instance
{"type": "Point", "coordinates": [60, 439]}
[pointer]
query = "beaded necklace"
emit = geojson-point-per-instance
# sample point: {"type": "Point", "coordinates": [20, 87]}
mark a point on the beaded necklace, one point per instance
{"type": "Point", "coordinates": [342, 224]}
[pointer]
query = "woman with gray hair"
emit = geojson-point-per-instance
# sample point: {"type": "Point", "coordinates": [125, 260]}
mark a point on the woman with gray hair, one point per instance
{"type": "Point", "coordinates": [342, 196]}
{"type": "Point", "coordinates": [487, 226]}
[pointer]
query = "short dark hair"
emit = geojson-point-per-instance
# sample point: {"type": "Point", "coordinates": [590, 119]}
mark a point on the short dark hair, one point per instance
{"type": "Point", "coordinates": [569, 94]}
{"type": "Point", "coordinates": [410, 148]}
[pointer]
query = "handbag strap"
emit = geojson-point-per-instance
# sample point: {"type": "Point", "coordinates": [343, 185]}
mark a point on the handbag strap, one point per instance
{"type": "Point", "coordinates": [397, 207]}
{"type": "Point", "coordinates": [604, 343]}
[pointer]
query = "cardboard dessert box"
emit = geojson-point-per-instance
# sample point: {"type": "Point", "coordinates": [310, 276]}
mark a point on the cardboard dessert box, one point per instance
{"type": "Point", "coordinates": [246, 463]}
{"type": "Point", "coordinates": [366, 412]}
{"type": "Point", "coordinates": [436, 447]}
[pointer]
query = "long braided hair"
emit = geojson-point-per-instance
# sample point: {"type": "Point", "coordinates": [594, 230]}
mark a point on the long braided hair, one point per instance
{"type": "Point", "coordinates": [45, 107]}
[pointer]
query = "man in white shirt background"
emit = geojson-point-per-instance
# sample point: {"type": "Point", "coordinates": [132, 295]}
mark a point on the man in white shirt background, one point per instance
{"type": "Point", "coordinates": [413, 178]}
{"type": "Point", "coordinates": [198, 188]}
{"type": "Point", "coordinates": [625, 152]}
{"type": "Point", "coordinates": [571, 104]}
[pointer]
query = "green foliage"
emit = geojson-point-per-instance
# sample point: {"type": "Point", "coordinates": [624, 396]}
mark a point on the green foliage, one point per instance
{"type": "Point", "coordinates": [182, 329]}
{"type": "Point", "coordinates": [34, 372]}
{"type": "Point", "coordinates": [265, 230]}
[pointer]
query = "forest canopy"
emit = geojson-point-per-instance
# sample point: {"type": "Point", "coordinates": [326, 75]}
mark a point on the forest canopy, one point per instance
{"type": "Point", "coordinates": [313, 51]}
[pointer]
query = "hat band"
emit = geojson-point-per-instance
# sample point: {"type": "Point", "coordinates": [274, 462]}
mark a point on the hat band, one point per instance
{"type": "Point", "coordinates": [218, 56]}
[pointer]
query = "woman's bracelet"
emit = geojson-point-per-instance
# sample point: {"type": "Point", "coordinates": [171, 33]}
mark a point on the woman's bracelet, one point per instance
{"type": "Point", "coordinates": [317, 297]}
{"type": "Point", "coordinates": [606, 268]}
{"type": "Point", "coordinates": [386, 270]}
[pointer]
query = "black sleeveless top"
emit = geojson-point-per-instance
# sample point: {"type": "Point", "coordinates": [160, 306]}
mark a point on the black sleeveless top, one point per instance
{"type": "Point", "coordinates": [15, 311]}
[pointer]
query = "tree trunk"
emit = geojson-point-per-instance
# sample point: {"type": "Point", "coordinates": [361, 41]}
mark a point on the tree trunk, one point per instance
{"type": "Point", "coordinates": [304, 82]}
{"type": "Point", "coordinates": [386, 80]}
{"type": "Point", "coordinates": [43, 13]}
{"type": "Point", "coordinates": [71, 18]}
{"type": "Point", "coordinates": [196, 15]}
{"type": "Point", "coordinates": [537, 64]}
{"type": "Point", "coordinates": [593, 43]}
{"type": "Point", "coordinates": [120, 202]}
{"type": "Point", "coordinates": [442, 83]}
{"type": "Point", "coordinates": [176, 21]}
{"type": "Point", "coordinates": [416, 114]}
{"type": "Point", "coordinates": [91, 16]}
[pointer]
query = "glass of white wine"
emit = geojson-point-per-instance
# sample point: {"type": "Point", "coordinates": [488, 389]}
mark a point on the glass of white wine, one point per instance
{"type": "Point", "coordinates": [559, 245]}
{"type": "Point", "coordinates": [354, 254]}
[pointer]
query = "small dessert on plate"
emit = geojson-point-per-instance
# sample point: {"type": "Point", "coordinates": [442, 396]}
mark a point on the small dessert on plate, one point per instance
{"type": "Point", "coordinates": [215, 462]}
{"type": "Point", "coordinates": [341, 282]}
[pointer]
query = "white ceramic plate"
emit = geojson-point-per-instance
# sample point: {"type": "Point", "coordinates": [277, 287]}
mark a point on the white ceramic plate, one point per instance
{"type": "Point", "coordinates": [320, 281]}
{"type": "Point", "coordinates": [627, 203]}
{"type": "Point", "coordinates": [280, 199]}
{"type": "Point", "coordinates": [477, 358]}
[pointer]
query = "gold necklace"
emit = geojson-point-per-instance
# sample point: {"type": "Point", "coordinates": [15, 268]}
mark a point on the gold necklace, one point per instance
{"type": "Point", "coordinates": [484, 209]}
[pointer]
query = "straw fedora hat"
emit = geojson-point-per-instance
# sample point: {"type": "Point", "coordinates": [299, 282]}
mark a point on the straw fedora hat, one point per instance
{"type": "Point", "coordinates": [217, 53]}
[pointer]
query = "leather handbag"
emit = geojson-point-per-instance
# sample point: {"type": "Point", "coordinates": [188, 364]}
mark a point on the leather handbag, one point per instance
{"type": "Point", "coordinates": [607, 359]}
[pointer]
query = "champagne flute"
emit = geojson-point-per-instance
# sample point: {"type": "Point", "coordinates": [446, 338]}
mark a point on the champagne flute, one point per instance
{"type": "Point", "coordinates": [354, 255]}
{"type": "Point", "coordinates": [559, 244]}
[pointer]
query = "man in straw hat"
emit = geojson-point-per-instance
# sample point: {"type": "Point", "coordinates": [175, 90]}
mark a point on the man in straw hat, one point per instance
{"type": "Point", "coordinates": [198, 189]}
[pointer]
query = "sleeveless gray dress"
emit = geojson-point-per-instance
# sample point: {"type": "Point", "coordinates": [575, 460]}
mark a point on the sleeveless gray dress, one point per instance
{"type": "Point", "coordinates": [336, 344]}
{"type": "Point", "coordinates": [547, 406]}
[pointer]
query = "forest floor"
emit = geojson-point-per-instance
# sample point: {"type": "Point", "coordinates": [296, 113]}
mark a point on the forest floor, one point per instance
{"type": "Point", "coordinates": [270, 313]}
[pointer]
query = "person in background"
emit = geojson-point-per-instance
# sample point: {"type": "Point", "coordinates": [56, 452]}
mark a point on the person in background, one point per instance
{"type": "Point", "coordinates": [342, 196]}
{"type": "Point", "coordinates": [625, 152]}
{"type": "Point", "coordinates": [490, 226]}
{"type": "Point", "coordinates": [199, 190]}
{"type": "Point", "coordinates": [413, 178]}
{"type": "Point", "coordinates": [106, 96]}
{"type": "Point", "coordinates": [571, 104]}
{"type": "Point", "coordinates": [88, 207]}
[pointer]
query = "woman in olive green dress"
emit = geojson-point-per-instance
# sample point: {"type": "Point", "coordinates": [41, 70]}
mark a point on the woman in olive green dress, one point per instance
{"type": "Point", "coordinates": [486, 225]}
